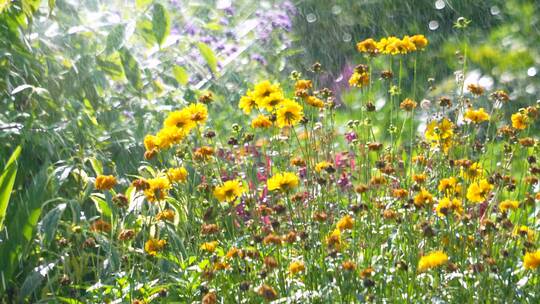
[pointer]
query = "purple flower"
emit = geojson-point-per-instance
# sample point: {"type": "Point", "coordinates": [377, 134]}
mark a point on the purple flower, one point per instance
{"type": "Point", "coordinates": [259, 58]}
{"type": "Point", "coordinates": [350, 136]}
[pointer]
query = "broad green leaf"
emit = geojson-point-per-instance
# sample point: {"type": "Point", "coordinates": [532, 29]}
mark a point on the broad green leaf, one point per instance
{"type": "Point", "coordinates": [21, 226]}
{"type": "Point", "coordinates": [161, 23]}
{"type": "Point", "coordinates": [112, 65]}
{"type": "Point", "coordinates": [180, 74]}
{"type": "Point", "coordinates": [115, 39]}
{"type": "Point", "coordinates": [96, 165]}
{"type": "Point", "coordinates": [49, 223]}
{"type": "Point", "coordinates": [131, 69]}
{"type": "Point", "coordinates": [101, 205]}
{"type": "Point", "coordinates": [31, 283]}
{"type": "Point", "coordinates": [208, 55]}
{"type": "Point", "coordinates": [144, 29]}
{"type": "Point", "coordinates": [7, 180]}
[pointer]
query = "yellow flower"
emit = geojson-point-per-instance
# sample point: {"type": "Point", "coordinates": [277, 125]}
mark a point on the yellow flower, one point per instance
{"type": "Point", "coordinates": [419, 178]}
{"type": "Point", "coordinates": [261, 121]}
{"type": "Point", "coordinates": [391, 45]}
{"type": "Point", "coordinates": [449, 185]}
{"type": "Point", "coordinates": [407, 104]}
{"type": "Point", "coordinates": [153, 246]}
{"type": "Point", "coordinates": [199, 112]}
{"type": "Point", "coordinates": [437, 131]}
{"type": "Point", "coordinates": [158, 189]}
{"type": "Point", "coordinates": [169, 136]}
{"type": "Point", "coordinates": [408, 44]}
{"type": "Point", "coordinates": [508, 204]}
{"type": "Point", "coordinates": [346, 222]}
{"type": "Point", "coordinates": [296, 267]}
{"type": "Point", "coordinates": [105, 182]}
{"type": "Point", "coordinates": [264, 89]}
{"type": "Point", "coordinates": [284, 182]}
{"type": "Point", "coordinates": [314, 102]}
{"type": "Point", "coordinates": [247, 102]}
{"type": "Point", "coordinates": [423, 197]}
{"type": "Point", "coordinates": [209, 246]}
{"type": "Point", "coordinates": [151, 142]}
{"type": "Point", "coordinates": [472, 172]}
{"type": "Point", "coordinates": [165, 215]}
{"type": "Point", "coordinates": [440, 134]}
{"type": "Point", "coordinates": [359, 79]}
{"type": "Point", "coordinates": [476, 116]}
{"type": "Point", "coordinates": [180, 119]}
{"type": "Point", "coordinates": [520, 121]}
{"type": "Point", "coordinates": [478, 191]}
{"type": "Point", "coordinates": [177, 174]}
{"type": "Point", "coordinates": [334, 239]}
{"type": "Point", "coordinates": [525, 231]}
{"type": "Point", "coordinates": [367, 46]}
{"type": "Point", "coordinates": [271, 102]}
{"type": "Point", "coordinates": [229, 191]}
{"type": "Point", "coordinates": [420, 41]}
{"type": "Point", "coordinates": [289, 114]}
{"type": "Point", "coordinates": [447, 205]}
{"type": "Point", "coordinates": [322, 166]}
{"type": "Point", "coordinates": [302, 84]}
{"type": "Point", "coordinates": [531, 260]}
{"type": "Point", "coordinates": [432, 260]}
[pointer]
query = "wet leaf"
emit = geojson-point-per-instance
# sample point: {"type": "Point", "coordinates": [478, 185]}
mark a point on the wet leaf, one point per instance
{"type": "Point", "coordinates": [161, 23]}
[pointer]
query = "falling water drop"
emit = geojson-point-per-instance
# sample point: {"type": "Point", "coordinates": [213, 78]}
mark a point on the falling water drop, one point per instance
{"type": "Point", "coordinates": [340, 78]}
{"type": "Point", "coordinates": [494, 10]}
{"type": "Point", "coordinates": [311, 18]}
{"type": "Point", "coordinates": [433, 25]}
{"type": "Point", "coordinates": [336, 9]}
{"type": "Point", "coordinates": [347, 37]}
{"type": "Point", "coordinates": [439, 4]}
{"type": "Point", "coordinates": [531, 72]}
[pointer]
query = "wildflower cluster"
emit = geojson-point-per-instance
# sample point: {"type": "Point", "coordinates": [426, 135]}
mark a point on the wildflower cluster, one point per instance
{"type": "Point", "coordinates": [300, 205]}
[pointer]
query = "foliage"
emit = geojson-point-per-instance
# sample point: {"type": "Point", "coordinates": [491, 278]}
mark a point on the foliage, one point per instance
{"type": "Point", "coordinates": [186, 151]}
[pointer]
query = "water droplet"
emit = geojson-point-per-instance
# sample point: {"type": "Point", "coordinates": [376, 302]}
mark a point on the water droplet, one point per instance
{"type": "Point", "coordinates": [223, 4]}
{"type": "Point", "coordinates": [439, 4]}
{"type": "Point", "coordinates": [311, 18]}
{"type": "Point", "coordinates": [336, 9]}
{"type": "Point", "coordinates": [347, 37]}
{"type": "Point", "coordinates": [530, 89]}
{"type": "Point", "coordinates": [494, 10]}
{"type": "Point", "coordinates": [340, 78]}
{"type": "Point", "coordinates": [433, 25]}
{"type": "Point", "coordinates": [531, 72]}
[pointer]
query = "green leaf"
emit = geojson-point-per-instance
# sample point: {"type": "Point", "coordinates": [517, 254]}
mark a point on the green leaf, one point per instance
{"type": "Point", "coordinates": [52, 4]}
{"type": "Point", "coordinates": [115, 39]}
{"type": "Point", "coordinates": [7, 180]}
{"type": "Point", "coordinates": [180, 74]}
{"type": "Point", "coordinates": [141, 4]}
{"type": "Point", "coordinates": [31, 283]}
{"type": "Point", "coordinates": [49, 223]}
{"type": "Point", "coordinates": [21, 226]}
{"type": "Point", "coordinates": [30, 6]}
{"type": "Point", "coordinates": [101, 205]}
{"type": "Point", "coordinates": [161, 23]}
{"type": "Point", "coordinates": [208, 55]}
{"type": "Point", "coordinates": [131, 69]}
{"type": "Point", "coordinates": [4, 4]}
